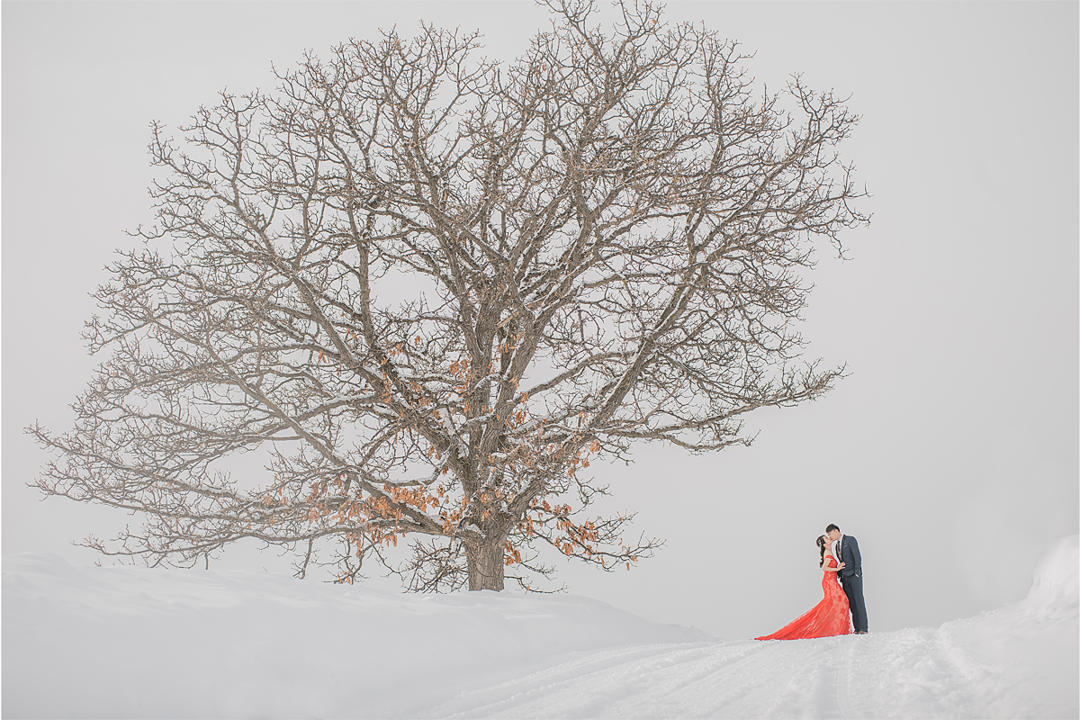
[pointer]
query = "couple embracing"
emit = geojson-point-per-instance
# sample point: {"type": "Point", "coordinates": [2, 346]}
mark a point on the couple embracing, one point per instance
{"type": "Point", "coordinates": [843, 604]}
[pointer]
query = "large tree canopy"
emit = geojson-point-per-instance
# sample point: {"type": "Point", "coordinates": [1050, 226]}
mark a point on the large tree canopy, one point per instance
{"type": "Point", "coordinates": [432, 288]}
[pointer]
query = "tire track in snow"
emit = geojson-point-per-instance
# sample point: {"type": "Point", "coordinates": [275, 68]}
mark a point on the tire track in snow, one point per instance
{"type": "Point", "coordinates": [845, 669]}
{"type": "Point", "coordinates": [734, 680]}
{"type": "Point", "coordinates": [801, 681]}
{"type": "Point", "coordinates": [538, 693]}
{"type": "Point", "coordinates": [835, 664]}
{"type": "Point", "coordinates": [673, 680]}
{"type": "Point", "coordinates": [700, 685]}
{"type": "Point", "coordinates": [968, 672]}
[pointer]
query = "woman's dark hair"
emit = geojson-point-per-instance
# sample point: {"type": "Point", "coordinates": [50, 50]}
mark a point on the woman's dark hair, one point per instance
{"type": "Point", "coordinates": [821, 547]}
{"type": "Point", "coordinates": [830, 528]}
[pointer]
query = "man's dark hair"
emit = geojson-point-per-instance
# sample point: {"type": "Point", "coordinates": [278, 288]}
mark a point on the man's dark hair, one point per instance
{"type": "Point", "coordinates": [831, 527]}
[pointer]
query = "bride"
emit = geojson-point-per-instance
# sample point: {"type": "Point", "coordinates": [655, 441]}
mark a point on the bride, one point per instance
{"type": "Point", "coordinates": [831, 616]}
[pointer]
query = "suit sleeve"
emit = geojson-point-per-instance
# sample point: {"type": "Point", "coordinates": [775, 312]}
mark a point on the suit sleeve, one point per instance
{"type": "Point", "coordinates": [856, 556]}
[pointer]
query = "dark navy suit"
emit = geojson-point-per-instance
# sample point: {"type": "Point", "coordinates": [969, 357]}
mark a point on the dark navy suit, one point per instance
{"type": "Point", "coordinates": [851, 579]}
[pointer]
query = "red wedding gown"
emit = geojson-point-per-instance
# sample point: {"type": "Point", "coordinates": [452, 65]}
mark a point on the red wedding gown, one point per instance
{"type": "Point", "coordinates": [831, 616]}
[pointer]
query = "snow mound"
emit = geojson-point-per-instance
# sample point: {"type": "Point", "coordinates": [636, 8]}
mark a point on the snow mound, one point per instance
{"type": "Point", "coordinates": [127, 642]}
{"type": "Point", "coordinates": [1057, 579]}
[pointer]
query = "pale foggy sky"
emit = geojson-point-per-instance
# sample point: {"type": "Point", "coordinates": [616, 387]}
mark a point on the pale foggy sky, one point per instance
{"type": "Point", "coordinates": [950, 451]}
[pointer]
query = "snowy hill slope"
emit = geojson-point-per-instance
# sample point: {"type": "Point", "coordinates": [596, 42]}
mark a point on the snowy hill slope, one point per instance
{"type": "Point", "coordinates": [133, 642]}
{"type": "Point", "coordinates": [1019, 661]}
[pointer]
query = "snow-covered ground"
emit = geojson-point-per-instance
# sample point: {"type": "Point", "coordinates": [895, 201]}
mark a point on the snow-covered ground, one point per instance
{"type": "Point", "coordinates": [133, 642]}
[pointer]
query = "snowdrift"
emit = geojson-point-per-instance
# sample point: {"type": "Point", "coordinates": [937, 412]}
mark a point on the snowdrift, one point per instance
{"type": "Point", "coordinates": [134, 642]}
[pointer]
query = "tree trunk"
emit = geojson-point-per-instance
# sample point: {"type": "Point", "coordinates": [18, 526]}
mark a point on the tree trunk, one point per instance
{"type": "Point", "coordinates": [485, 566]}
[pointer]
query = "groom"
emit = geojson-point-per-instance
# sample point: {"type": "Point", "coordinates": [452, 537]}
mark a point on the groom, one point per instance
{"type": "Point", "coordinates": [846, 550]}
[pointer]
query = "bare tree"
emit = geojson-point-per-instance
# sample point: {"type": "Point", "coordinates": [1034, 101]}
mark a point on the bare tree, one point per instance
{"type": "Point", "coordinates": [603, 243]}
